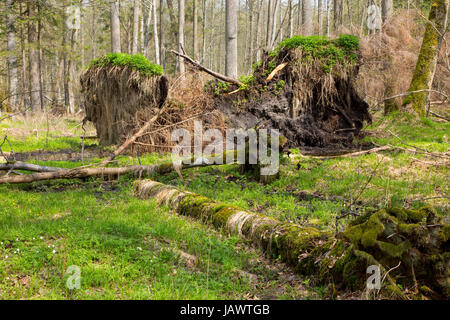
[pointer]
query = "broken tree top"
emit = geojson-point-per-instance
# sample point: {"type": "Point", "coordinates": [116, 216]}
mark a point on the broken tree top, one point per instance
{"type": "Point", "coordinates": [305, 88]}
{"type": "Point", "coordinates": [115, 87]}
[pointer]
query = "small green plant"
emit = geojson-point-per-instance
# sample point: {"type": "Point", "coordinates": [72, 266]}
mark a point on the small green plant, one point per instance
{"type": "Point", "coordinates": [279, 86]}
{"type": "Point", "coordinates": [136, 62]}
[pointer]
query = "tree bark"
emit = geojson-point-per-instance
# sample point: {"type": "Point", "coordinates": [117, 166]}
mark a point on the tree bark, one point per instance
{"type": "Point", "coordinates": [134, 40]}
{"type": "Point", "coordinates": [181, 66]}
{"type": "Point", "coordinates": [291, 18]}
{"type": "Point", "coordinates": [33, 60]}
{"type": "Point", "coordinates": [274, 23]}
{"type": "Point", "coordinates": [12, 58]}
{"type": "Point", "coordinates": [155, 33]}
{"type": "Point", "coordinates": [195, 30]}
{"type": "Point", "coordinates": [427, 61]}
{"type": "Point", "coordinates": [320, 16]}
{"type": "Point", "coordinates": [307, 17]}
{"type": "Point", "coordinates": [115, 27]}
{"type": "Point", "coordinates": [204, 21]}
{"type": "Point", "coordinates": [387, 9]}
{"type": "Point", "coordinates": [231, 66]}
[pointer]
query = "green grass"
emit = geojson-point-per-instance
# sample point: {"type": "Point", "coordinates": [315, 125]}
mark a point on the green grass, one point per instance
{"type": "Point", "coordinates": [129, 248]}
{"type": "Point", "coordinates": [126, 248]}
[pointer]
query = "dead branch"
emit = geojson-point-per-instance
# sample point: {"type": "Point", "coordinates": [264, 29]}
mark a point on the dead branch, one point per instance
{"type": "Point", "coordinates": [360, 153]}
{"type": "Point", "coordinates": [138, 170]}
{"type": "Point", "coordinates": [135, 136]}
{"type": "Point", "coordinates": [214, 74]}
{"type": "Point", "coordinates": [27, 167]}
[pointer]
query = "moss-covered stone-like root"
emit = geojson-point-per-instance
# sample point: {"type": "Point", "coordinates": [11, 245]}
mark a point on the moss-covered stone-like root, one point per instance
{"type": "Point", "coordinates": [383, 238]}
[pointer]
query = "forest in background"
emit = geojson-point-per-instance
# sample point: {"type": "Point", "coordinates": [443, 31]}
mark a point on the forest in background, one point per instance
{"type": "Point", "coordinates": [42, 56]}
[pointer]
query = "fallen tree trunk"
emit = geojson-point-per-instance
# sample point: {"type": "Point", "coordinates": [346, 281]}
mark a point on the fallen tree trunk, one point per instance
{"type": "Point", "coordinates": [28, 167]}
{"type": "Point", "coordinates": [51, 173]}
{"type": "Point", "coordinates": [342, 259]}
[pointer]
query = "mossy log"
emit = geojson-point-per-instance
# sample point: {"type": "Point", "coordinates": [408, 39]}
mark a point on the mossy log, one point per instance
{"type": "Point", "coordinates": [114, 89]}
{"type": "Point", "coordinates": [426, 64]}
{"type": "Point", "coordinates": [384, 238]}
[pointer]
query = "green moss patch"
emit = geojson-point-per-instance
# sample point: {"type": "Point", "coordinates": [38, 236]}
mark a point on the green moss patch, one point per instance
{"type": "Point", "coordinates": [136, 62]}
{"type": "Point", "coordinates": [342, 50]}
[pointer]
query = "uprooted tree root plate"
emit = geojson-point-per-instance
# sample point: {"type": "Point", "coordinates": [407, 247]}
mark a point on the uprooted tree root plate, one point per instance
{"type": "Point", "coordinates": [410, 247]}
{"type": "Point", "coordinates": [304, 88]}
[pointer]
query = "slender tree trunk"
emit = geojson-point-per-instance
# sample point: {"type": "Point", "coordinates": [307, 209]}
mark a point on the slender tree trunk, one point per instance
{"type": "Point", "coordinates": [274, 23]}
{"type": "Point", "coordinates": [147, 22]}
{"type": "Point", "coordinates": [320, 16]}
{"type": "Point", "coordinates": [24, 64]}
{"type": "Point", "coordinates": [387, 9]}
{"type": "Point", "coordinates": [181, 9]}
{"type": "Point", "coordinates": [41, 80]}
{"type": "Point", "coordinates": [195, 30]}
{"type": "Point", "coordinates": [269, 22]}
{"type": "Point", "coordinates": [291, 18]}
{"type": "Point", "coordinates": [115, 27]}
{"type": "Point", "coordinates": [161, 34]}
{"type": "Point", "coordinates": [136, 14]}
{"type": "Point", "coordinates": [299, 16]}
{"type": "Point", "coordinates": [204, 21]}
{"type": "Point", "coordinates": [12, 58]}
{"type": "Point", "coordinates": [251, 33]}
{"type": "Point", "coordinates": [328, 17]}
{"type": "Point", "coordinates": [155, 33]}
{"type": "Point", "coordinates": [307, 17]}
{"type": "Point", "coordinates": [33, 57]}
{"type": "Point", "coordinates": [258, 31]}
{"type": "Point", "coordinates": [427, 61]}
{"type": "Point", "coordinates": [231, 66]}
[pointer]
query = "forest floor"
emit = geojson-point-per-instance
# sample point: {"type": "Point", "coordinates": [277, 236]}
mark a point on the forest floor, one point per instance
{"type": "Point", "coordinates": [131, 249]}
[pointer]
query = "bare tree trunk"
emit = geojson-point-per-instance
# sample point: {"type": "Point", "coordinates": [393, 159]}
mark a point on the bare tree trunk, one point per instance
{"type": "Point", "coordinates": [387, 9]}
{"type": "Point", "coordinates": [328, 17]}
{"type": "Point", "coordinates": [269, 22]}
{"type": "Point", "coordinates": [155, 33]}
{"type": "Point", "coordinates": [24, 64]}
{"type": "Point", "coordinates": [181, 65]}
{"type": "Point", "coordinates": [258, 31]}
{"type": "Point", "coordinates": [251, 33]}
{"type": "Point", "coordinates": [307, 17]}
{"type": "Point", "coordinates": [161, 34]}
{"type": "Point", "coordinates": [204, 18]}
{"type": "Point", "coordinates": [41, 80]}
{"type": "Point", "coordinates": [195, 29]}
{"type": "Point", "coordinates": [115, 27]}
{"type": "Point", "coordinates": [134, 40]}
{"type": "Point", "coordinates": [33, 56]}
{"type": "Point", "coordinates": [147, 22]}
{"type": "Point", "coordinates": [291, 19]}
{"type": "Point", "coordinates": [231, 66]}
{"type": "Point", "coordinates": [427, 61]}
{"type": "Point", "coordinates": [274, 24]}
{"type": "Point", "coordinates": [320, 16]}
{"type": "Point", "coordinates": [12, 58]}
